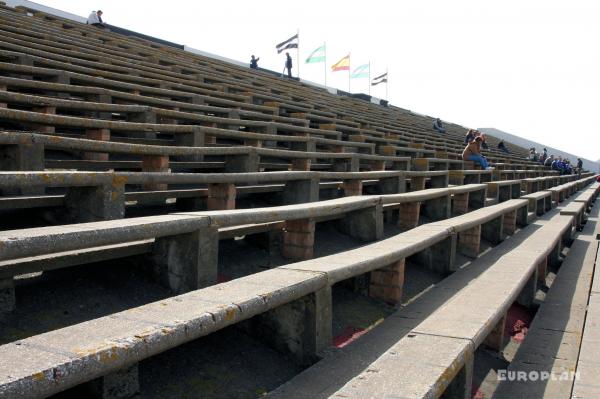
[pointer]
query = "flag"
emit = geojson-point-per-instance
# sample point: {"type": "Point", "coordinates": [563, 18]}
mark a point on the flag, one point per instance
{"type": "Point", "coordinates": [361, 72]}
{"type": "Point", "coordinates": [379, 79]}
{"type": "Point", "coordinates": [292, 42]}
{"type": "Point", "coordinates": [317, 56]}
{"type": "Point", "coordinates": [342, 65]}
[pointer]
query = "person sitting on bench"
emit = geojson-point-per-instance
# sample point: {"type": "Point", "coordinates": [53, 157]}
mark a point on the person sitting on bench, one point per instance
{"type": "Point", "coordinates": [437, 125]}
{"type": "Point", "coordinates": [502, 147]}
{"type": "Point", "coordinates": [472, 152]}
{"type": "Point", "coordinates": [95, 19]}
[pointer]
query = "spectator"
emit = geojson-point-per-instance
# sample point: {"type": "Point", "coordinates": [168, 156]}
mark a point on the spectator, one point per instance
{"type": "Point", "coordinates": [484, 144]}
{"type": "Point", "coordinates": [254, 62]}
{"type": "Point", "coordinates": [288, 64]}
{"type": "Point", "coordinates": [549, 160]}
{"type": "Point", "coordinates": [555, 164]}
{"type": "Point", "coordinates": [470, 136]}
{"type": "Point", "coordinates": [95, 19]}
{"type": "Point", "coordinates": [502, 147]}
{"type": "Point", "coordinates": [437, 125]}
{"type": "Point", "coordinates": [579, 164]}
{"type": "Point", "coordinates": [472, 152]}
{"type": "Point", "coordinates": [544, 156]}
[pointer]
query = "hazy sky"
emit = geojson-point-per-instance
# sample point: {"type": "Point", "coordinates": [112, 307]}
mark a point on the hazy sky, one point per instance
{"type": "Point", "coordinates": [530, 68]}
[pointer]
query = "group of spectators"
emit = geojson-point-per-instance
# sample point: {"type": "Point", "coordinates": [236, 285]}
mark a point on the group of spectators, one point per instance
{"type": "Point", "coordinates": [559, 164]}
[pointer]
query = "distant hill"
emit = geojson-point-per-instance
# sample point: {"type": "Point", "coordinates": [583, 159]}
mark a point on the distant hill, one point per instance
{"type": "Point", "coordinates": [511, 138]}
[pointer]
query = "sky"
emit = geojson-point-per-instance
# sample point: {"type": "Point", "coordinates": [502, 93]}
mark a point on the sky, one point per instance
{"type": "Point", "coordinates": [530, 68]}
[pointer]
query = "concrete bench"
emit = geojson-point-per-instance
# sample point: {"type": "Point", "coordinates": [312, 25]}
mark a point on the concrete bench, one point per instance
{"type": "Point", "coordinates": [539, 202]}
{"type": "Point", "coordinates": [553, 340]}
{"type": "Point", "coordinates": [436, 164]}
{"type": "Point", "coordinates": [468, 197]}
{"type": "Point", "coordinates": [426, 349]}
{"type": "Point", "coordinates": [577, 210]}
{"type": "Point", "coordinates": [108, 349]}
{"type": "Point", "coordinates": [241, 299]}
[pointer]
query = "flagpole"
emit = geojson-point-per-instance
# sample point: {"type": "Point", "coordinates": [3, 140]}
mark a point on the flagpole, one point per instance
{"type": "Point", "coordinates": [325, 63]}
{"type": "Point", "coordinates": [369, 77]}
{"type": "Point", "coordinates": [349, 69]}
{"type": "Point", "coordinates": [387, 79]}
{"type": "Point", "coordinates": [298, 53]}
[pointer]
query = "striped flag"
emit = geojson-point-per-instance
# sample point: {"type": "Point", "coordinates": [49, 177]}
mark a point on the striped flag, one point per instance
{"type": "Point", "coordinates": [317, 56]}
{"type": "Point", "coordinates": [342, 65]}
{"type": "Point", "coordinates": [379, 79]}
{"type": "Point", "coordinates": [292, 42]}
{"type": "Point", "coordinates": [361, 72]}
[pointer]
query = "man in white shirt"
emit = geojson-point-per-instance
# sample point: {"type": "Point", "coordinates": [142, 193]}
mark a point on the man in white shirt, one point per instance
{"type": "Point", "coordinates": [95, 19]}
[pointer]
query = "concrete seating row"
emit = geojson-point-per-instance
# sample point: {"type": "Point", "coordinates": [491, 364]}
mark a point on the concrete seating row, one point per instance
{"type": "Point", "coordinates": [427, 348]}
{"type": "Point", "coordinates": [553, 343]}
{"type": "Point", "coordinates": [436, 352]}
{"type": "Point", "coordinates": [25, 152]}
{"type": "Point", "coordinates": [359, 217]}
{"type": "Point", "coordinates": [93, 196]}
{"type": "Point", "coordinates": [111, 353]}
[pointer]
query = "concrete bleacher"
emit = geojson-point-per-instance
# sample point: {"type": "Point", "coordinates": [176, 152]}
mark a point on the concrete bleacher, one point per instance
{"type": "Point", "coordinates": [116, 148]}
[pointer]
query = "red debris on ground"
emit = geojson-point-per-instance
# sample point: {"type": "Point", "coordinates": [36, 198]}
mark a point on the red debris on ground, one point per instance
{"type": "Point", "coordinates": [477, 394]}
{"type": "Point", "coordinates": [348, 335]}
{"type": "Point", "coordinates": [518, 320]}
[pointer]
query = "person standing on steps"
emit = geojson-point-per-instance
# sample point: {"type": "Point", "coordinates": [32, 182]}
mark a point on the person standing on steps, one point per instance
{"type": "Point", "coordinates": [288, 64]}
{"type": "Point", "coordinates": [254, 62]}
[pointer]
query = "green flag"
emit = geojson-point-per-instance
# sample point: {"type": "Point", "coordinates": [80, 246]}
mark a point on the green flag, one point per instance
{"type": "Point", "coordinates": [361, 72]}
{"type": "Point", "coordinates": [317, 56]}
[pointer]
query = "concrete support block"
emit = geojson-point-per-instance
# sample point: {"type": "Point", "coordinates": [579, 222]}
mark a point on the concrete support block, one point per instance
{"type": "Point", "coordinates": [554, 257]}
{"type": "Point", "coordinates": [48, 129]}
{"type": "Point", "coordinates": [522, 216]}
{"type": "Point", "coordinates": [477, 199]}
{"type": "Point", "coordinates": [527, 295]}
{"type": "Point", "coordinates": [120, 384]}
{"type": "Point", "coordinates": [364, 224]}
{"type": "Point", "coordinates": [7, 295]}
{"type": "Point", "coordinates": [196, 138]}
{"type": "Point", "coordinates": [97, 134]}
{"type": "Point", "coordinates": [493, 231]}
{"type": "Point", "coordinates": [221, 196]}
{"type": "Point", "coordinates": [438, 181]}
{"type": "Point", "coordinates": [509, 223]}
{"type": "Point", "coordinates": [302, 164]}
{"type": "Point", "coordinates": [417, 183]}
{"type": "Point", "coordinates": [391, 185]}
{"type": "Point", "coordinates": [387, 283]}
{"type": "Point", "coordinates": [377, 165]}
{"type": "Point", "coordinates": [352, 187]}
{"type": "Point", "coordinates": [456, 177]}
{"type": "Point", "coordinates": [301, 191]}
{"type": "Point", "coordinates": [437, 208]}
{"type": "Point", "coordinates": [243, 163]}
{"type": "Point", "coordinates": [302, 328]}
{"type": "Point", "coordinates": [497, 339]}
{"type": "Point", "coordinates": [440, 257]}
{"type": "Point", "coordinates": [469, 241]}
{"type": "Point", "coordinates": [460, 204]}
{"type": "Point", "coordinates": [298, 239]}
{"type": "Point", "coordinates": [542, 270]}
{"type": "Point", "coordinates": [22, 157]}
{"type": "Point", "coordinates": [421, 164]}
{"type": "Point", "coordinates": [186, 262]}
{"type": "Point", "coordinates": [96, 203]}
{"type": "Point", "coordinates": [351, 164]}
{"type": "Point", "coordinates": [408, 215]}
{"type": "Point", "coordinates": [155, 163]}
